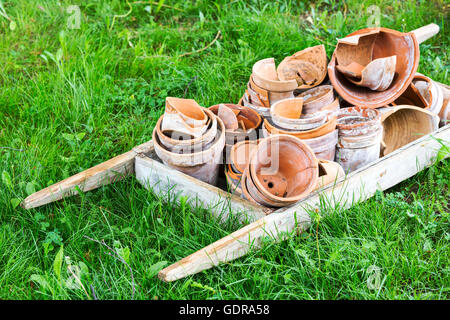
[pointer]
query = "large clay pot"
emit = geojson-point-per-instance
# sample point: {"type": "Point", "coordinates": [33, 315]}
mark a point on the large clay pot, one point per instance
{"type": "Point", "coordinates": [404, 124]}
{"type": "Point", "coordinates": [203, 165]}
{"type": "Point", "coordinates": [283, 169]}
{"type": "Point", "coordinates": [324, 147]}
{"type": "Point", "coordinates": [366, 45]}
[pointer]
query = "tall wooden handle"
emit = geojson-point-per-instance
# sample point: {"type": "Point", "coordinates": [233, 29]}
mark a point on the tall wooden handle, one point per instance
{"type": "Point", "coordinates": [426, 32]}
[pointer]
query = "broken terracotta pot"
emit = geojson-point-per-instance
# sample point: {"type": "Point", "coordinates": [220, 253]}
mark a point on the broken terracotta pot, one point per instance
{"type": "Point", "coordinates": [228, 117]}
{"type": "Point", "coordinates": [316, 99]}
{"type": "Point", "coordinates": [280, 180]}
{"type": "Point", "coordinates": [360, 133]}
{"type": "Point", "coordinates": [404, 124]}
{"type": "Point", "coordinates": [329, 172]}
{"type": "Point", "coordinates": [307, 67]}
{"type": "Point", "coordinates": [182, 143]}
{"type": "Point", "coordinates": [184, 116]}
{"type": "Point", "coordinates": [367, 46]}
{"type": "Point", "coordinates": [444, 114]}
{"type": "Point", "coordinates": [203, 165]}
{"type": "Point", "coordinates": [248, 120]}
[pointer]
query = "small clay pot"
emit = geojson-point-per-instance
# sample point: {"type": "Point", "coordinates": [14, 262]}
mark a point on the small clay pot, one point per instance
{"type": "Point", "coordinates": [240, 154]}
{"type": "Point", "coordinates": [279, 178]}
{"type": "Point", "coordinates": [404, 124]}
{"type": "Point", "coordinates": [366, 45]}
{"type": "Point", "coordinates": [329, 172]}
{"type": "Point", "coordinates": [203, 165]}
{"type": "Point", "coordinates": [328, 125]}
{"type": "Point", "coordinates": [307, 67]}
{"type": "Point", "coordinates": [186, 144]}
{"type": "Point", "coordinates": [317, 98]}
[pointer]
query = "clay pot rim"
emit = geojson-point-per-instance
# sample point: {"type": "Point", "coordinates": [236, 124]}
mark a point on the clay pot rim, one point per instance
{"type": "Point", "coordinates": [266, 201]}
{"type": "Point", "coordinates": [314, 167]}
{"type": "Point", "coordinates": [363, 102]}
{"type": "Point", "coordinates": [190, 156]}
{"type": "Point", "coordinates": [188, 142]}
{"type": "Point", "coordinates": [233, 152]}
{"type": "Point", "coordinates": [430, 84]}
{"type": "Point", "coordinates": [271, 85]}
{"type": "Point", "coordinates": [329, 126]}
{"type": "Point", "coordinates": [229, 170]}
{"type": "Point", "coordinates": [369, 122]}
{"type": "Point", "coordinates": [245, 192]}
{"type": "Point", "coordinates": [316, 99]}
{"type": "Point", "coordinates": [238, 106]}
{"type": "Point", "coordinates": [394, 109]}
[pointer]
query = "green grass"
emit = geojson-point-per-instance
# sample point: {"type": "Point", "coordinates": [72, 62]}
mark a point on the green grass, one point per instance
{"type": "Point", "coordinates": [70, 99]}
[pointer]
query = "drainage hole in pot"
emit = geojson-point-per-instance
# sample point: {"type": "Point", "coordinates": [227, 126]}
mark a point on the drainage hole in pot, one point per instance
{"type": "Point", "coordinates": [270, 185]}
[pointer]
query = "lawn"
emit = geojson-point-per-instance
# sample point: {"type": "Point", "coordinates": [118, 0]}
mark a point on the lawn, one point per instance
{"type": "Point", "coordinates": [77, 92]}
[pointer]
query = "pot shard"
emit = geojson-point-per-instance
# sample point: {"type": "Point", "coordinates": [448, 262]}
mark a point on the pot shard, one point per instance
{"type": "Point", "coordinates": [228, 117]}
{"type": "Point", "coordinates": [282, 171]}
{"type": "Point", "coordinates": [404, 124]}
{"type": "Point", "coordinates": [184, 116]}
{"type": "Point", "coordinates": [307, 67]}
{"type": "Point", "coordinates": [360, 133]}
{"type": "Point", "coordinates": [373, 44]}
{"type": "Point", "coordinates": [201, 164]}
{"type": "Point", "coordinates": [329, 172]}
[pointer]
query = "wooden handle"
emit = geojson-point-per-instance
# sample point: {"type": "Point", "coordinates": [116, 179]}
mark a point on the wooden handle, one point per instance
{"type": "Point", "coordinates": [426, 32]}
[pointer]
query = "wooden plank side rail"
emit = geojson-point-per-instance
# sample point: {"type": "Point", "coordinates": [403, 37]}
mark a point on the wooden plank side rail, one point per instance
{"type": "Point", "coordinates": [164, 181]}
{"type": "Point", "coordinates": [358, 186]}
{"type": "Point", "coordinates": [102, 174]}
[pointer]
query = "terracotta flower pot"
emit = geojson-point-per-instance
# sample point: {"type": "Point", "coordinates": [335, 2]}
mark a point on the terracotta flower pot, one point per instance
{"type": "Point", "coordinates": [327, 126]}
{"type": "Point", "coordinates": [324, 147]}
{"type": "Point", "coordinates": [329, 172]}
{"type": "Point", "coordinates": [203, 165]}
{"type": "Point", "coordinates": [249, 122]}
{"type": "Point", "coordinates": [240, 154]}
{"type": "Point", "coordinates": [307, 67]}
{"type": "Point", "coordinates": [354, 152]}
{"type": "Point", "coordinates": [360, 133]}
{"type": "Point", "coordinates": [366, 45]}
{"type": "Point", "coordinates": [181, 143]}
{"type": "Point", "coordinates": [279, 178]}
{"type": "Point", "coordinates": [265, 76]}
{"type": "Point", "coordinates": [317, 98]}
{"type": "Point", "coordinates": [184, 116]}
{"type": "Point", "coordinates": [404, 124]}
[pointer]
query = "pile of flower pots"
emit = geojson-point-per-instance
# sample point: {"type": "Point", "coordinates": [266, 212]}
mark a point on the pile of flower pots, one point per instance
{"type": "Point", "coordinates": [311, 117]}
{"type": "Point", "coordinates": [190, 139]}
{"type": "Point", "coordinates": [268, 84]}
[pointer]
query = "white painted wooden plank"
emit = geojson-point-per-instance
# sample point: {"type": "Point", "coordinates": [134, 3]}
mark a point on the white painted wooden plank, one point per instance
{"type": "Point", "coordinates": [358, 186]}
{"type": "Point", "coordinates": [163, 180]}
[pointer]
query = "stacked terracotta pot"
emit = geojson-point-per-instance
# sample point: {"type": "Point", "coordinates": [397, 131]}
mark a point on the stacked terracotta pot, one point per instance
{"type": "Point", "coordinates": [311, 117]}
{"type": "Point", "coordinates": [190, 139]}
{"type": "Point", "coordinates": [360, 134]}
{"type": "Point", "coordinates": [281, 170]}
{"type": "Point", "coordinates": [241, 123]}
{"type": "Point", "coordinates": [268, 84]}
